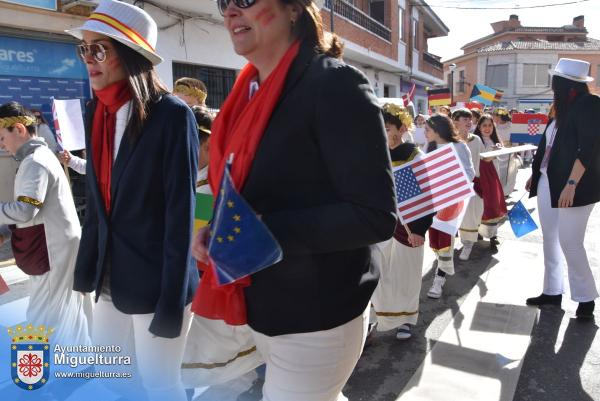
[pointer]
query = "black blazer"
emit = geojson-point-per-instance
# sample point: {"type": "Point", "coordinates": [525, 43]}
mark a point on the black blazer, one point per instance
{"type": "Point", "coordinates": [577, 138]}
{"type": "Point", "coordinates": [321, 179]}
{"type": "Point", "coordinates": [146, 239]}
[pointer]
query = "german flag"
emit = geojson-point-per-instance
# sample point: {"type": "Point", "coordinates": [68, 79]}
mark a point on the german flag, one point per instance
{"type": "Point", "coordinates": [439, 97]}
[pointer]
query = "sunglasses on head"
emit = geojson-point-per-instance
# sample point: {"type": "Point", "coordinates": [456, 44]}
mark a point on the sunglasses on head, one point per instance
{"type": "Point", "coordinates": [223, 4]}
{"type": "Point", "coordinates": [96, 50]}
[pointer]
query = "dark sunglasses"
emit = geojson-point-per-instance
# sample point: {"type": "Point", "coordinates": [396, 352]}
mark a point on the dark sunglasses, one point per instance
{"type": "Point", "coordinates": [96, 50]}
{"type": "Point", "coordinates": [223, 4]}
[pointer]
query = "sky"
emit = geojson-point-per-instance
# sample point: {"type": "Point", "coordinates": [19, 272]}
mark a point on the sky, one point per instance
{"type": "Point", "coordinates": [468, 25]}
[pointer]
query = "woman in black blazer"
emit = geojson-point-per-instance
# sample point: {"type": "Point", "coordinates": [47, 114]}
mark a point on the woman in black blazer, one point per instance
{"type": "Point", "coordinates": [320, 178]}
{"type": "Point", "coordinates": [142, 151]}
{"type": "Point", "coordinates": [565, 177]}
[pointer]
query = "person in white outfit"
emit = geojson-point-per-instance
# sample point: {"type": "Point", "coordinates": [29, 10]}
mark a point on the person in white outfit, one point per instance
{"type": "Point", "coordinates": [470, 225]}
{"type": "Point", "coordinates": [565, 177]}
{"type": "Point", "coordinates": [441, 130]}
{"type": "Point", "coordinates": [44, 230]}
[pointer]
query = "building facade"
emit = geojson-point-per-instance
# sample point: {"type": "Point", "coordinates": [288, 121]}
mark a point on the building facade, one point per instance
{"type": "Point", "coordinates": [516, 60]}
{"type": "Point", "coordinates": [387, 40]}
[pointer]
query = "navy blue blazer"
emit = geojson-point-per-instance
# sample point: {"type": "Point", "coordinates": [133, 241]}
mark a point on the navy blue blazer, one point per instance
{"type": "Point", "coordinates": [146, 238]}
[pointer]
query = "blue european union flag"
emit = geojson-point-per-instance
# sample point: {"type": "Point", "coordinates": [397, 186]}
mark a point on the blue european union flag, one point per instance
{"type": "Point", "coordinates": [521, 221]}
{"type": "Point", "coordinates": [240, 243]}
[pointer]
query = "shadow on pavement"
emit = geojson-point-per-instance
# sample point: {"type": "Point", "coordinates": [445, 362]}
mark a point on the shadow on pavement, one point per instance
{"type": "Point", "coordinates": [386, 367]}
{"type": "Point", "coordinates": [550, 375]}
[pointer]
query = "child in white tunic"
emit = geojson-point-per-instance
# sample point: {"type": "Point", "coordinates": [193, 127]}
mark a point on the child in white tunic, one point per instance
{"type": "Point", "coordinates": [396, 298]}
{"type": "Point", "coordinates": [45, 230]}
{"type": "Point", "coordinates": [470, 225]}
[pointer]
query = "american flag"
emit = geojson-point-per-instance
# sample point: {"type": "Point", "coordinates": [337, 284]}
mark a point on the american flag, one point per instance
{"type": "Point", "coordinates": [430, 183]}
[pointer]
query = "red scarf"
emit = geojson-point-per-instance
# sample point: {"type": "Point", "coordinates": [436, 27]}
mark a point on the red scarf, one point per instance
{"type": "Point", "coordinates": [110, 99]}
{"type": "Point", "coordinates": [238, 129]}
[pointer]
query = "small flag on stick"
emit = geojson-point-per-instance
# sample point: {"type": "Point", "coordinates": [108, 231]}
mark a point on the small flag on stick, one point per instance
{"type": "Point", "coordinates": [521, 221]}
{"type": "Point", "coordinates": [439, 97]}
{"type": "Point", "coordinates": [240, 243]}
{"type": "Point", "coordinates": [431, 183]}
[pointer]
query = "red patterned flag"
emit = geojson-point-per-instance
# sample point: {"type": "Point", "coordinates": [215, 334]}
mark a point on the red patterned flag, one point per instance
{"type": "Point", "coordinates": [430, 183]}
{"type": "Point", "coordinates": [408, 97]}
{"type": "Point", "coordinates": [527, 128]}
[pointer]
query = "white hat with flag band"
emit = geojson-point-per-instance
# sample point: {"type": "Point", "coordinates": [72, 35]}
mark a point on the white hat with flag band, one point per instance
{"type": "Point", "coordinates": [125, 23]}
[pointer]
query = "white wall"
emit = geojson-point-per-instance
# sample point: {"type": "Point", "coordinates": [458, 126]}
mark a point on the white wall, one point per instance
{"type": "Point", "coordinates": [200, 42]}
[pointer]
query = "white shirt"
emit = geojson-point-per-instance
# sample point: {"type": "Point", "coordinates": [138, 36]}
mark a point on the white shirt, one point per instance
{"type": "Point", "coordinates": [120, 125]}
{"type": "Point", "coordinates": [550, 135]}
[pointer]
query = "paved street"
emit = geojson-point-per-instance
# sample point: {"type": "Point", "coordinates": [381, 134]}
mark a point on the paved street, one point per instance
{"type": "Point", "coordinates": [478, 342]}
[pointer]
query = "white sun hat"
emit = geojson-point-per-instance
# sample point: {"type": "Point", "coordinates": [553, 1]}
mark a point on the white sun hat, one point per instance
{"type": "Point", "coordinates": [575, 70]}
{"type": "Point", "coordinates": [125, 23]}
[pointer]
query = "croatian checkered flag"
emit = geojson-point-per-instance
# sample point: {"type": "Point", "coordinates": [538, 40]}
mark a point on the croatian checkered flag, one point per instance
{"type": "Point", "coordinates": [430, 183]}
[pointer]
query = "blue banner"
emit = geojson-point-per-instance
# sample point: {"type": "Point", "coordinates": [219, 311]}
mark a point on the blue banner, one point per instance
{"type": "Point", "coordinates": [39, 58]}
{"type": "Point", "coordinates": [46, 4]}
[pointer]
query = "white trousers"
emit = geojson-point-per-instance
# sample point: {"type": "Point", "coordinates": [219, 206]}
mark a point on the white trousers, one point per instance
{"type": "Point", "coordinates": [311, 366]}
{"type": "Point", "coordinates": [158, 359]}
{"type": "Point", "coordinates": [469, 227]}
{"type": "Point", "coordinates": [564, 229]}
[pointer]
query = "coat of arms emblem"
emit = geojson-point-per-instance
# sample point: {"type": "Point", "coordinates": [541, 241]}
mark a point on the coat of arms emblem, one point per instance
{"type": "Point", "coordinates": [30, 355]}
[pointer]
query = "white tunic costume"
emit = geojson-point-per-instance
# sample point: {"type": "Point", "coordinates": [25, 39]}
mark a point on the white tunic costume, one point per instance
{"type": "Point", "coordinates": [42, 197]}
{"type": "Point", "coordinates": [470, 224]}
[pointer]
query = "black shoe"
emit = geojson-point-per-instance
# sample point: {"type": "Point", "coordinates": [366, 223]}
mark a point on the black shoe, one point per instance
{"type": "Point", "coordinates": [585, 310]}
{"type": "Point", "coordinates": [545, 300]}
{"type": "Point", "coordinates": [494, 244]}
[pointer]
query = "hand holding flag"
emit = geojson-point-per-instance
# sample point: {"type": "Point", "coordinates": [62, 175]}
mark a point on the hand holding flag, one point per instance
{"type": "Point", "coordinates": [240, 243]}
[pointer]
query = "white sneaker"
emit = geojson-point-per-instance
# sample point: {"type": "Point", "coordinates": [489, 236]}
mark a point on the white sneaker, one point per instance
{"type": "Point", "coordinates": [403, 332]}
{"type": "Point", "coordinates": [436, 288]}
{"type": "Point", "coordinates": [466, 252]}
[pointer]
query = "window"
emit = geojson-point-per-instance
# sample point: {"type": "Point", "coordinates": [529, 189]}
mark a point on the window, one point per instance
{"type": "Point", "coordinates": [496, 76]}
{"type": "Point", "coordinates": [415, 33]}
{"type": "Point", "coordinates": [536, 75]}
{"type": "Point", "coordinates": [377, 10]}
{"type": "Point", "coordinates": [461, 81]}
{"type": "Point", "coordinates": [401, 34]}
{"type": "Point", "coordinates": [218, 81]}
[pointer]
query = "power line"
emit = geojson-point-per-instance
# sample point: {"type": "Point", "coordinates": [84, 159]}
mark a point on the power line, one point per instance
{"type": "Point", "coordinates": [500, 8]}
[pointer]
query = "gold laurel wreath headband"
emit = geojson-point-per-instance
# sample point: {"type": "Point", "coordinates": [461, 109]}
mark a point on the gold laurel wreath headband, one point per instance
{"type": "Point", "coordinates": [189, 91]}
{"type": "Point", "coordinates": [203, 129]}
{"type": "Point", "coordinates": [400, 112]}
{"type": "Point", "coordinates": [8, 122]}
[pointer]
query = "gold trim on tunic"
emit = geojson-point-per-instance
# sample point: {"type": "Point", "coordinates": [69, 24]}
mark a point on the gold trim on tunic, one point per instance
{"type": "Point", "coordinates": [31, 201]}
{"type": "Point", "coordinates": [200, 365]}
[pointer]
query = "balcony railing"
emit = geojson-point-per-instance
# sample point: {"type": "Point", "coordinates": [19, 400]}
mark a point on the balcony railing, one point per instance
{"type": "Point", "coordinates": [353, 14]}
{"type": "Point", "coordinates": [432, 60]}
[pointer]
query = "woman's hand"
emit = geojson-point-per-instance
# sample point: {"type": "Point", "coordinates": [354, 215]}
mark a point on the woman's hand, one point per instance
{"type": "Point", "coordinates": [528, 185]}
{"type": "Point", "coordinates": [566, 196]}
{"type": "Point", "coordinates": [199, 245]}
{"type": "Point", "coordinates": [415, 240]}
{"type": "Point", "coordinates": [64, 156]}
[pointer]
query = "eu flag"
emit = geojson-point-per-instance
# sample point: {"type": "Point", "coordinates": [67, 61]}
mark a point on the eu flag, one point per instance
{"type": "Point", "coordinates": [521, 221]}
{"type": "Point", "coordinates": [240, 243]}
